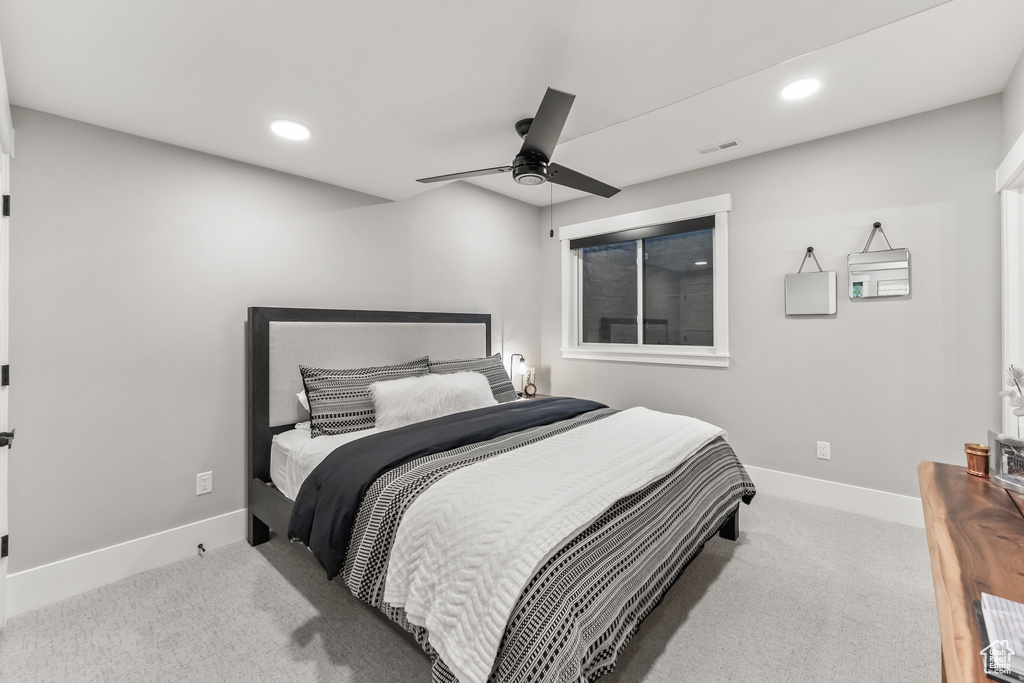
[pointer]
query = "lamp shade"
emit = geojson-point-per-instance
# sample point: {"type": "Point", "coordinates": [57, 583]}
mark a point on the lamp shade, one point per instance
{"type": "Point", "coordinates": [515, 368]}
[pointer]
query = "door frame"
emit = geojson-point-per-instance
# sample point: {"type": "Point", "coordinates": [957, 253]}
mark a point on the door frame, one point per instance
{"type": "Point", "coordinates": [6, 153]}
{"type": "Point", "coordinates": [1010, 186]}
{"type": "Point", "coordinates": [1012, 210]}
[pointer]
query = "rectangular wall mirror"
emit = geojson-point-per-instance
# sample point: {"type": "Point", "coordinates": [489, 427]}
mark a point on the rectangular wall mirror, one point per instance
{"type": "Point", "coordinates": [879, 273]}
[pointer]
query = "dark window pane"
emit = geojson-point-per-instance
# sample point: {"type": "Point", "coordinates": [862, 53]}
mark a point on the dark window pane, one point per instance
{"type": "Point", "coordinates": [678, 292]}
{"type": "Point", "coordinates": [609, 293]}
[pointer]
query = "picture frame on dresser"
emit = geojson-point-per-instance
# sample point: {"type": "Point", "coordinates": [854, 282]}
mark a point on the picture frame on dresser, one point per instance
{"type": "Point", "coordinates": [1006, 461]}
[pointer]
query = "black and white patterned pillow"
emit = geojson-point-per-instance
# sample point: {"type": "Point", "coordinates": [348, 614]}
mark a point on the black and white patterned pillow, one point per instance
{"type": "Point", "coordinates": [340, 400]}
{"type": "Point", "coordinates": [491, 367]}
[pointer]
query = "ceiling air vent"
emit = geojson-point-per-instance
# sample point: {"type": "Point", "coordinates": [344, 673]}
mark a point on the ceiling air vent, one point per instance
{"type": "Point", "coordinates": [719, 147]}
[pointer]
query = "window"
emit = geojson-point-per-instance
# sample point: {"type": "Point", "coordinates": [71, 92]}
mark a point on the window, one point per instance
{"type": "Point", "coordinates": [649, 286]}
{"type": "Point", "coordinates": [609, 287]}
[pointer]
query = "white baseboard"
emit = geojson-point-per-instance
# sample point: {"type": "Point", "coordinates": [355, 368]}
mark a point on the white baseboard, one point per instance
{"type": "Point", "coordinates": [33, 588]}
{"type": "Point", "coordinates": [891, 507]}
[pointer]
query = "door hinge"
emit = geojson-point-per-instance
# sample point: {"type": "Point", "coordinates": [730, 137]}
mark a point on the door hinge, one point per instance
{"type": "Point", "coordinates": [7, 205]}
{"type": "Point", "coordinates": [3, 547]}
{"type": "Point", "coordinates": [5, 375]}
{"type": "Point", "coordinates": [7, 439]}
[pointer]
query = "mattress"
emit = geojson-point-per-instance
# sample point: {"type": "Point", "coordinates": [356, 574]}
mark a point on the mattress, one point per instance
{"type": "Point", "coordinates": [294, 454]}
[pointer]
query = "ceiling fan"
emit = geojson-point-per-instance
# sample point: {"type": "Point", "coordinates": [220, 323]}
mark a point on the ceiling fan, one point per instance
{"type": "Point", "coordinates": [532, 166]}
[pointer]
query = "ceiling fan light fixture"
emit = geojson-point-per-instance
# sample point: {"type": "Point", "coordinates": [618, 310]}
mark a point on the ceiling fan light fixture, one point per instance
{"type": "Point", "coordinates": [289, 130]}
{"type": "Point", "coordinates": [797, 90]}
{"type": "Point", "coordinates": [527, 171]}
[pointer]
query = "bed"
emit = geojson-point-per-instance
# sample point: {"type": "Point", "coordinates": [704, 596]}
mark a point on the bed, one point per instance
{"type": "Point", "coordinates": [521, 540]}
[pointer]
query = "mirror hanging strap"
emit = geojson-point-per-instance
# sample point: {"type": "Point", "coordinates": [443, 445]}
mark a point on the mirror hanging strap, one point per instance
{"type": "Point", "coordinates": [877, 226]}
{"type": "Point", "coordinates": [809, 254]}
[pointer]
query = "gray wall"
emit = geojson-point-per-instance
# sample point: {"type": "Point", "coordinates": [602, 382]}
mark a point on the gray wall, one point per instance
{"type": "Point", "coordinates": [888, 383]}
{"type": "Point", "coordinates": [133, 263]}
{"type": "Point", "coordinates": [1013, 106]}
{"type": "Point", "coordinates": [132, 266]}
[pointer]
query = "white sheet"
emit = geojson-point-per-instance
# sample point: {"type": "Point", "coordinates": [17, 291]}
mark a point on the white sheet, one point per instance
{"type": "Point", "coordinates": [466, 548]}
{"type": "Point", "coordinates": [294, 454]}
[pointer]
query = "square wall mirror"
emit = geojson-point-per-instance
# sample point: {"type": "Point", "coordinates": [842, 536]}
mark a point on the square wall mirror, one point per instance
{"type": "Point", "coordinates": [879, 273]}
{"type": "Point", "coordinates": [811, 293]}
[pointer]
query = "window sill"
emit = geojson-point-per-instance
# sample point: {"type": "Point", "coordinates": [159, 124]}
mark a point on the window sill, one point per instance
{"type": "Point", "coordinates": [656, 356]}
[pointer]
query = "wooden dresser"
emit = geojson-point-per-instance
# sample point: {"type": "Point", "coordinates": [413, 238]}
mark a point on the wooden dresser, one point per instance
{"type": "Point", "coordinates": [976, 542]}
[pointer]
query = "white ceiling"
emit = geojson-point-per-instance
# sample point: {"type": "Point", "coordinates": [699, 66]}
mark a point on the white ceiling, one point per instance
{"type": "Point", "coordinates": [398, 90]}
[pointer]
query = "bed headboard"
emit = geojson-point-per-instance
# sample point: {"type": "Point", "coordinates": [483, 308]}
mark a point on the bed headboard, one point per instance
{"type": "Point", "coordinates": [280, 339]}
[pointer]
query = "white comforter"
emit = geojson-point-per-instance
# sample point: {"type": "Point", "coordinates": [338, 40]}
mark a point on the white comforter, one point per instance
{"type": "Point", "coordinates": [469, 544]}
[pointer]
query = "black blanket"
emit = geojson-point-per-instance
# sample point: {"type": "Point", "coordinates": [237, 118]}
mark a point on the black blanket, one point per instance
{"type": "Point", "coordinates": [329, 499]}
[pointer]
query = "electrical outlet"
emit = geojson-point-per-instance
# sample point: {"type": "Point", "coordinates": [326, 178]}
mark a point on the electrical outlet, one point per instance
{"type": "Point", "coordinates": [204, 483]}
{"type": "Point", "coordinates": [824, 450]}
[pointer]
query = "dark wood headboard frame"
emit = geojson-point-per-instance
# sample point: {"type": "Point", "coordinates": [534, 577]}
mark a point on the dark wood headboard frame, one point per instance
{"type": "Point", "coordinates": [267, 507]}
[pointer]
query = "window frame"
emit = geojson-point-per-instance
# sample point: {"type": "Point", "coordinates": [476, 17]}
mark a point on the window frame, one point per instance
{"type": "Point", "coordinates": [716, 355]}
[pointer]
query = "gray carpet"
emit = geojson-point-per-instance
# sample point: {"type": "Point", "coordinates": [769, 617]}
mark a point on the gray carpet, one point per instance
{"type": "Point", "coordinates": [807, 594]}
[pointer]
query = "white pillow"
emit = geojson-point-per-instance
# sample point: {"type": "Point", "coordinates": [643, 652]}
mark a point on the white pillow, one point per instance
{"type": "Point", "coordinates": [403, 401]}
{"type": "Point", "coordinates": [303, 401]}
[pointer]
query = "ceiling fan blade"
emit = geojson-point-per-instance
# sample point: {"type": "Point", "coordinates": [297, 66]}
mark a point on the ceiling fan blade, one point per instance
{"type": "Point", "coordinates": [465, 174]}
{"type": "Point", "coordinates": [548, 123]}
{"type": "Point", "coordinates": [560, 175]}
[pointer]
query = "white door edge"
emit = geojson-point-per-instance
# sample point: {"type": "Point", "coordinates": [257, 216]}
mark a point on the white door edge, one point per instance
{"type": "Point", "coordinates": [5, 189]}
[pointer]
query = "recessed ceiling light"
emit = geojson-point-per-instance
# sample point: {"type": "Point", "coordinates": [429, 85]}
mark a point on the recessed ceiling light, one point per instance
{"type": "Point", "coordinates": [290, 130]}
{"type": "Point", "coordinates": [800, 89]}
{"type": "Point", "coordinates": [701, 263]}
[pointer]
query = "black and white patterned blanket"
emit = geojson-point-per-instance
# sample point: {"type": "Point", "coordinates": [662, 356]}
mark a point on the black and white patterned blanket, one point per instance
{"type": "Point", "coordinates": [587, 600]}
{"type": "Point", "coordinates": [325, 508]}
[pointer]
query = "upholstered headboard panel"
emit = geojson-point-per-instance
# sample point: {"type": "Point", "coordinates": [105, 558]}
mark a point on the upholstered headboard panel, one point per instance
{"type": "Point", "coordinates": [355, 345]}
